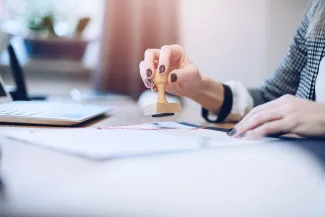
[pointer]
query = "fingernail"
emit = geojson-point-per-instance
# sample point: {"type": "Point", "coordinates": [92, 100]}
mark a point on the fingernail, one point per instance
{"type": "Point", "coordinates": [148, 82]}
{"type": "Point", "coordinates": [242, 135]}
{"type": "Point", "coordinates": [231, 132]}
{"type": "Point", "coordinates": [173, 77]}
{"type": "Point", "coordinates": [162, 69]}
{"type": "Point", "coordinates": [149, 73]}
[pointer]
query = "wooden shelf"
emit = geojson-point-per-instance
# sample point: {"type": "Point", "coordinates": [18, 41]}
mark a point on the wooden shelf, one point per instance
{"type": "Point", "coordinates": [44, 66]}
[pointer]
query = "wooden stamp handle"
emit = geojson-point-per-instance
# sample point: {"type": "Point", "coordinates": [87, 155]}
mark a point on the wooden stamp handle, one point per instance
{"type": "Point", "coordinates": [161, 81]}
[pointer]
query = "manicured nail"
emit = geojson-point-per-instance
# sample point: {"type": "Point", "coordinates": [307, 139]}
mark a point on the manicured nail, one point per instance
{"type": "Point", "coordinates": [173, 77]}
{"type": "Point", "coordinates": [148, 82]}
{"type": "Point", "coordinates": [162, 69]}
{"type": "Point", "coordinates": [149, 73]}
{"type": "Point", "coordinates": [242, 135]}
{"type": "Point", "coordinates": [231, 132]}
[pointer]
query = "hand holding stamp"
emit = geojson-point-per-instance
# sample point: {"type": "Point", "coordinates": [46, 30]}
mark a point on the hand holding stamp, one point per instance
{"type": "Point", "coordinates": [162, 108]}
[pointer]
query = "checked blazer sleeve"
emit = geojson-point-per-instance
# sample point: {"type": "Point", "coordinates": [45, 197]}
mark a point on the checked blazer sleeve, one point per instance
{"type": "Point", "coordinates": [286, 78]}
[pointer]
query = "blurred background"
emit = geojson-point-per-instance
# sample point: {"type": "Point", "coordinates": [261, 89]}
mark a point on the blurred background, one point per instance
{"type": "Point", "coordinates": [239, 39]}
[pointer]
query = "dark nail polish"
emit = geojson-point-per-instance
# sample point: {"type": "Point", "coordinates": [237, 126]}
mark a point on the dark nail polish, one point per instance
{"type": "Point", "coordinates": [149, 73]}
{"type": "Point", "coordinates": [162, 69]}
{"type": "Point", "coordinates": [231, 132]}
{"type": "Point", "coordinates": [148, 82]}
{"type": "Point", "coordinates": [173, 77]}
{"type": "Point", "coordinates": [242, 135]}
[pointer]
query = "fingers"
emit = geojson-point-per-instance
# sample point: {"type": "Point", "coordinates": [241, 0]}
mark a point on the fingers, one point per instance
{"type": "Point", "coordinates": [188, 73]}
{"type": "Point", "coordinates": [259, 119]}
{"type": "Point", "coordinates": [150, 58]}
{"type": "Point", "coordinates": [267, 106]}
{"type": "Point", "coordinates": [161, 60]}
{"type": "Point", "coordinates": [147, 82]}
{"type": "Point", "coordinates": [148, 66]}
{"type": "Point", "coordinates": [269, 128]}
{"type": "Point", "coordinates": [169, 53]}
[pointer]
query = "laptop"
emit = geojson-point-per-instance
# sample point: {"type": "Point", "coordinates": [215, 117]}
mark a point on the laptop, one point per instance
{"type": "Point", "coordinates": [45, 112]}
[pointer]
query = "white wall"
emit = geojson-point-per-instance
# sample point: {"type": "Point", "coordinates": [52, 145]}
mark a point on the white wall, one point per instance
{"type": "Point", "coordinates": [284, 18]}
{"type": "Point", "coordinates": [239, 39]}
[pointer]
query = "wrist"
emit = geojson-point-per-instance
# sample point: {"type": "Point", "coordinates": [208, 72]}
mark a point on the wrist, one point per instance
{"type": "Point", "coordinates": [209, 94]}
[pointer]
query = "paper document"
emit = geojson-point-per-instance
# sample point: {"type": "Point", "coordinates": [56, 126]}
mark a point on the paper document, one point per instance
{"type": "Point", "coordinates": [124, 141]}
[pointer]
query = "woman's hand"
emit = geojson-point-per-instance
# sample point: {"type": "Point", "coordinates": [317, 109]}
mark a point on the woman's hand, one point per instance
{"type": "Point", "coordinates": [287, 114]}
{"type": "Point", "coordinates": [184, 78]}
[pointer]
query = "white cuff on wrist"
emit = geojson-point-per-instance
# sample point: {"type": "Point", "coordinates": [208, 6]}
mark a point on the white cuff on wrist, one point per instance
{"type": "Point", "coordinates": [242, 101]}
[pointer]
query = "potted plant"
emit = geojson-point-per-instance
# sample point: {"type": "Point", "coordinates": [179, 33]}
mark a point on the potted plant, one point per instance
{"type": "Point", "coordinates": [43, 40]}
{"type": "Point", "coordinates": [53, 29]}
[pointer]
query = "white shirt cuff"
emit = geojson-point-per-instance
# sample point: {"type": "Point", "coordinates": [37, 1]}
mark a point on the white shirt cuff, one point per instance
{"type": "Point", "coordinates": [242, 101]}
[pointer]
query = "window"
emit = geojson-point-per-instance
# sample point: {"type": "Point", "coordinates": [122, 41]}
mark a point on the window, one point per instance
{"type": "Point", "coordinates": [17, 14]}
{"type": "Point", "coordinates": [66, 12]}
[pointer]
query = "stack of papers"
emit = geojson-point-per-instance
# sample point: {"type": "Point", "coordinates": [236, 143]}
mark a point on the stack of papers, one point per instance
{"type": "Point", "coordinates": [125, 141]}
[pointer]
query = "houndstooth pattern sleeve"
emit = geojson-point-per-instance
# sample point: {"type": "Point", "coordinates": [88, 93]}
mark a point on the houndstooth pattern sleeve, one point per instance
{"type": "Point", "coordinates": [286, 78]}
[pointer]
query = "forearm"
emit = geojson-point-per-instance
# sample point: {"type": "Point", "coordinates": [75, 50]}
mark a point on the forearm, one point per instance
{"type": "Point", "coordinates": [210, 95]}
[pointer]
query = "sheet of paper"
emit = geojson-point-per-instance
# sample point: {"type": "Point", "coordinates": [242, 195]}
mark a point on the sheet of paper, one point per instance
{"type": "Point", "coordinates": [124, 141]}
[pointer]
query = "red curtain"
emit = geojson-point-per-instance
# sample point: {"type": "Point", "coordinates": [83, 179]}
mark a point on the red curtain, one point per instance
{"type": "Point", "coordinates": [129, 28]}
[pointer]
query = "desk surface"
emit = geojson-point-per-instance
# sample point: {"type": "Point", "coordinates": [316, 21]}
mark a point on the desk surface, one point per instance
{"type": "Point", "coordinates": [243, 181]}
{"type": "Point", "coordinates": [126, 111]}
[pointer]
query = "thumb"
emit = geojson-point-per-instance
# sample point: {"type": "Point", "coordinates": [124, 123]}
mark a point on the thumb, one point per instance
{"type": "Point", "coordinates": [187, 73]}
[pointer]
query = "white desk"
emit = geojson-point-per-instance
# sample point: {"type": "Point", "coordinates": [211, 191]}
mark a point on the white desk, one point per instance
{"type": "Point", "coordinates": [243, 181]}
{"type": "Point", "coordinates": [239, 181]}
